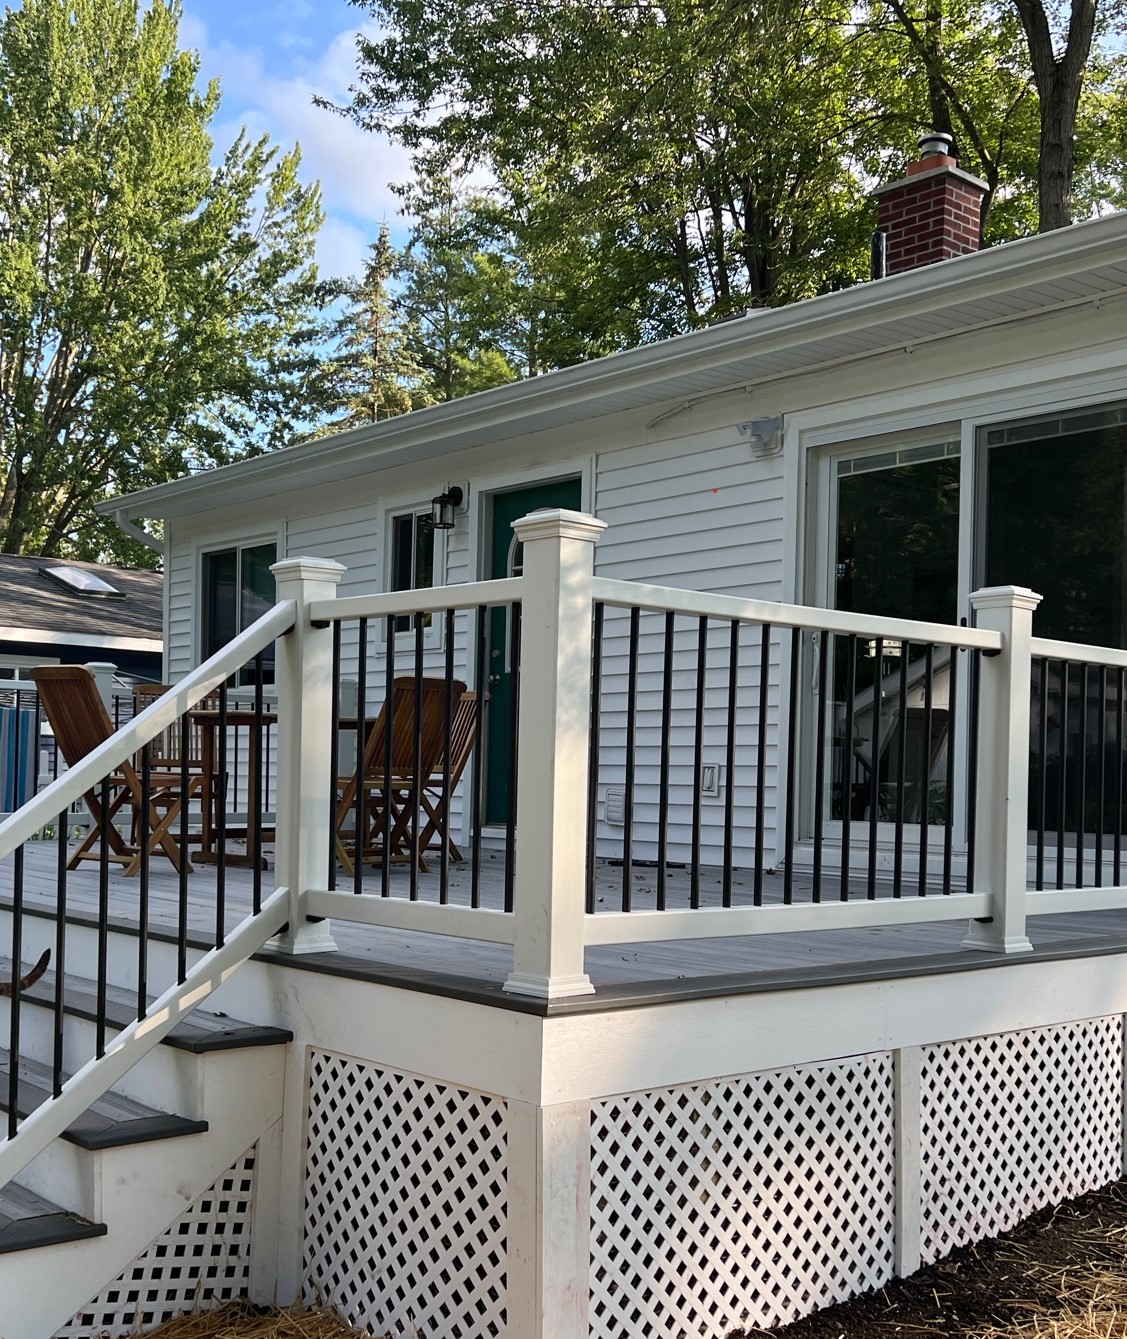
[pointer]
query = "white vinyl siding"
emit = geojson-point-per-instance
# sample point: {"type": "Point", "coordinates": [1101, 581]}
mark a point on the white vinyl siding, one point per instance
{"type": "Point", "coordinates": [697, 513]}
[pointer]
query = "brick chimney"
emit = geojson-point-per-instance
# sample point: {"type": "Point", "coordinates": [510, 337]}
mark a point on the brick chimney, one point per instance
{"type": "Point", "coordinates": [933, 213]}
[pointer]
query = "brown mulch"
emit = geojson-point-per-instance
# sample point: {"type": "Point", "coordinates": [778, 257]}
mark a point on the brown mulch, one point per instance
{"type": "Point", "coordinates": [1061, 1274]}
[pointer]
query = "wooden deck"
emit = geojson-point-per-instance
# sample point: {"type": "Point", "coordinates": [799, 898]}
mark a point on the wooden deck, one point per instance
{"type": "Point", "coordinates": [624, 975]}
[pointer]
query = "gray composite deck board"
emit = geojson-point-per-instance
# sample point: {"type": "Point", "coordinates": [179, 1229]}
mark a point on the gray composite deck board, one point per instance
{"type": "Point", "coordinates": [632, 971]}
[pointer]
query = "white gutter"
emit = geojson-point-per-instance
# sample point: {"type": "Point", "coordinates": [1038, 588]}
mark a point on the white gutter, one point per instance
{"type": "Point", "coordinates": [46, 637]}
{"type": "Point", "coordinates": [1032, 260]}
{"type": "Point", "coordinates": [122, 521]}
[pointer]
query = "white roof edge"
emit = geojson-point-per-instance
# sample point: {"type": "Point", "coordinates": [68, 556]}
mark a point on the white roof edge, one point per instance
{"type": "Point", "coordinates": [1001, 267]}
{"type": "Point", "coordinates": [52, 638]}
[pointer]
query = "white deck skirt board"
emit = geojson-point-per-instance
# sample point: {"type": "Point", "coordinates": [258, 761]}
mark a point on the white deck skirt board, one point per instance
{"type": "Point", "coordinates": [673, 964]}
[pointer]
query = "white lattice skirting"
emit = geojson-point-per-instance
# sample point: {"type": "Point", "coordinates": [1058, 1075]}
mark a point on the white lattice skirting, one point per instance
{"type": "Point", "coordinates": [202, 1261]}
{"type": "Point", "coordinates": [742, 1202]}
{"type": "Point", "coordinates": [1014, 1122]}
{"type": "Point", "coordinates": [405, 1202]}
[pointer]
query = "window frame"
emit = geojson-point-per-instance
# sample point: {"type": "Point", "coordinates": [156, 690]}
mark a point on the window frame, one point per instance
{"type": "Point", "coordinates": [204, 554]}
{"type": "Point", "coordinates": [433, 632]}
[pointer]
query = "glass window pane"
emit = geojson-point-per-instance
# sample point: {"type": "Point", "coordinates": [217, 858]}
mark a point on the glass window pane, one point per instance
{"type": "Point", "coordinates": [257, 592]}
{"type": "Point", "coordinates": [424, 552]}
{"type": "Point", "coordinates": [220, 599]}
{"type": "Point", "coordinates": [1055, 521]}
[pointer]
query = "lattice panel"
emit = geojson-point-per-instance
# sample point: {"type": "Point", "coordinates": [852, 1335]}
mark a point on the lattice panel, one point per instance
{"type": "Point", "coordinates": [202, 1261]}
{"type": "Point", "coordinates": [1016, 1121]}
{"type": "Point", "coordinates": [405, 1202]}
{"type": "Point", "coordinates": [746, 1202]}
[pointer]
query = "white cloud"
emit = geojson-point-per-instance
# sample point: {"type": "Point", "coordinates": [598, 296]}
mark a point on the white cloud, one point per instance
{"type": "Point", "coordinates": [355, 167]}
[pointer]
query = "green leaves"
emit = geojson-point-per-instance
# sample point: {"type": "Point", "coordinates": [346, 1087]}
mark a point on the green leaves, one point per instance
{"type": "Point", "coordinates": [155, 313]}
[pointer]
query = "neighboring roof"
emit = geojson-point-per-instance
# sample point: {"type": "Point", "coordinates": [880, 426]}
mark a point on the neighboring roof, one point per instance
{"type": "Point", "coordinates": [1049, 272]}
{"type": "Point", "coordinates": [35, 608]}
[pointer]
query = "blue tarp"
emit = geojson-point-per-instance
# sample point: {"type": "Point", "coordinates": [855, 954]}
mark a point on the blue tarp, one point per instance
{"type": "Point", "coordinates": [19, 757]}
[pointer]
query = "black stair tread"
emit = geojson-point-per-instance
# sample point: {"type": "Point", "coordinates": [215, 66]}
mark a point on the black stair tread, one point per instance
{"type": "Point", "coordinates": [111, 1121]}
{"type": "Point", "coordinates": [28, 1220]}
{"type": "Point", "coordinates": [199, 1033]}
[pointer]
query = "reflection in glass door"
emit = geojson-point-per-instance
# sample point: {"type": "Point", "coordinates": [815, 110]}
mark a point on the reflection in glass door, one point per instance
{"type": "Point", "coordinates": [895, 530]}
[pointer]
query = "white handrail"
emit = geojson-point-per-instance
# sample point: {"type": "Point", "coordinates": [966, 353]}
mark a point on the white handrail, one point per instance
{"type": "Point", "coordinates": [672, 599]}
{"type": "Point", "coordinates": [1076, 651]}
{"type": "Point", "coordinates": [58, 797]}
{"type": "Point", "coordinates": [430, 600]}
{"type": "Point", "coordinates": [98, 1076]}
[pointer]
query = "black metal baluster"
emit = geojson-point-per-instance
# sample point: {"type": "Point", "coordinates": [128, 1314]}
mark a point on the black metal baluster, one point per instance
{"type": "Point", "coordinates": [514, 753]}
{"type": "Point", "coordinates": [103, 921]}
{"type": "Point", "coordinates": [874, 771]}
{"type": "Point", "coordinates": [663, 765]}
{"type": "Point", "coordinates": [1062, 772]}
{"type": "Point", "coordinates": [480, 681]}
{"type": "Point", "coordinates": [761, 758]}
{"type": "Point", "coordinates": [792, 765]}
{"type": "Point", "coordinates": [698, 759]}
{"type": "Point", "coordinates": [974, 683]}
{"type": "Point", "coordinates": [143, 886]}
{"type": "Point", "coordinates": [1043, 761]}
{"type": "Point", "coordinates": [901, 768]}
{"type": "Point", "coordinates": [417, 758]}
{"type": "Point", "coordinates": [388, 758]}
{"type": "Point", "coordinates": [1118, 774]}
{"type": "Point", "coordinates": [847, 762]}
{"type": "Point", "coordinates": [447, 746]}
{"type": "Point", "coordinates": [60, 954]}
{"type": "Point", "coordinates": [824, 645]}
{"type": "Point", "coordinates": [334, 761]}
{"type": "Point", "coordinates": [730, 759]}
{"type": "Point", "coordinates": [631, 725]}
{"type": "Point", "coordinates": [221, 833]}
{"type": "Point", "coordinates": [1082, 764]}
{"type": "Point", "coordinates": [1101, 787]}
{"type": "Point", "coordinates": [16, 994]}
{"type": "Point", "coordinates": [205, 819]}
{"type": "Point", "coordinates": [949, 779]}
{"type": "Point", "coordinates": [359, 800]}
{"type": "Point", "coordinates": [262, 776]}
{"type": "Point", "coordinates": [593, 755]}
{"type": "Point", "coordinates": [925, 769]}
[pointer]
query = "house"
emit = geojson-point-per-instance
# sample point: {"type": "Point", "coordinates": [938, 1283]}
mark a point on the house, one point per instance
{"type": "Point", "coordinates": [788, 950]}
{"type": "Point", "coordinates": [56, 611]}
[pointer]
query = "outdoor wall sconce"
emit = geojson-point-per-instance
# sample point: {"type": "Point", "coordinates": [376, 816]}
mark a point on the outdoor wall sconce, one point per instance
{"type": "Point", "coordinates": [765, 435]}
{"type": "Point", "coordinates": [443, 507]}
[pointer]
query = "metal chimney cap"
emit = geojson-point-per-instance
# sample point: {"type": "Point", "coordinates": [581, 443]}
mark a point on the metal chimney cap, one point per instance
{"type": "Point", "coordinates": [935, 142]}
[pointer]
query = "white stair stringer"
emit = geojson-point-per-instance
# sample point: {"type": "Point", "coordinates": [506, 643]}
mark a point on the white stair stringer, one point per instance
{"type": "Point", "coordinates": [139, 1190]}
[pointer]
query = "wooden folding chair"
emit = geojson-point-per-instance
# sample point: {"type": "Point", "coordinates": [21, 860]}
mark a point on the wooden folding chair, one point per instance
{"type": "Point", "coordinates": [80, 721]}
{"type": "Point", "coordinates": [463, 736]}
{"type": "Point", "coordinates": [389, 786]}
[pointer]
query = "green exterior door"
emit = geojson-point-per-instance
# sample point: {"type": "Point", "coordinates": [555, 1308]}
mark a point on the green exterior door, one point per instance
{"type": "Point", "coordinates": [505, 560]}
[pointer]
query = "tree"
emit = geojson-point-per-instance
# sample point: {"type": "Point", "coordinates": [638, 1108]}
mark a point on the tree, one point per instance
{"type": "Point", "coordinates": [156, 313]}
{"type": "Point", "coordinates": [703, 152]}
{"type": "Point", "coordinates": [375, 374]}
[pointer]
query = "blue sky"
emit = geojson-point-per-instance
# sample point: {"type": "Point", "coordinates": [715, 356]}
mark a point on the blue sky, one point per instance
{"type": "Point", "coordinates": [270, 57]}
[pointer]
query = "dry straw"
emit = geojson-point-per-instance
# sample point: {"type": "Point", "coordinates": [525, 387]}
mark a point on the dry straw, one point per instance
{"type": "Point", "coordinates": [243, 1320]}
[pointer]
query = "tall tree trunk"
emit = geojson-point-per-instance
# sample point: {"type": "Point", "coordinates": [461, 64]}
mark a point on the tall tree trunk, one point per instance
{"type": "Point", "coordinates": [1059, 83]}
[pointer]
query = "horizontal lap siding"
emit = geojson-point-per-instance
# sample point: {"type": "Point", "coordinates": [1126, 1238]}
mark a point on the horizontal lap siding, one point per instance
{"type": "Point", "coordinates": [700, 514]}
{"type": "Point", "coordinates": [181, 605]}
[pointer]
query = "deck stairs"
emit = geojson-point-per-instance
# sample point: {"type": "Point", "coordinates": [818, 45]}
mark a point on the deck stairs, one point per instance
{"type": "Point", "coordinates": [125, 1170]}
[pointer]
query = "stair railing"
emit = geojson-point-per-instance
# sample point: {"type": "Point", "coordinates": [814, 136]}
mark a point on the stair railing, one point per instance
{"type": "Point", "coordinates": [117, 1055]}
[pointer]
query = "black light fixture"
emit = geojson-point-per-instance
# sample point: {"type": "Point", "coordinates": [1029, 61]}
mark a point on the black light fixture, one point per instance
{"type": "Point", "coordinates": [443, 507]}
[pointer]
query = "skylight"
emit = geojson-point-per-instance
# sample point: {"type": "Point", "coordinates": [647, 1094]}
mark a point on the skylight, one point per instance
{"type": "Point", "coordinates": [78, 581]}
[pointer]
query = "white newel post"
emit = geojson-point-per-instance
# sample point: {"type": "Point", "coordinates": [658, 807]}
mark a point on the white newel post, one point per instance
{"type": "Point", "coordinates": [103, 672]}
{"type": "Point", "coordinates": [305, 717]}
{"type": "Point", "coordinates": [553, 726]}
{"type": "Point", "coordinates": [1001, 812]}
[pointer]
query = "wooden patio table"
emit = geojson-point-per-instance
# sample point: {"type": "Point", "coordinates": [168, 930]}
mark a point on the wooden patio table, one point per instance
{"type": "Point", "coordinates": [216, 794]}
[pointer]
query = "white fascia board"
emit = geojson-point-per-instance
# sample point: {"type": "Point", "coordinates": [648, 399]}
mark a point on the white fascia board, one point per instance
{"type": "Point", "coordinates": [646, 371]}
{"type": "Point", "coordinates": [108, 642]}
